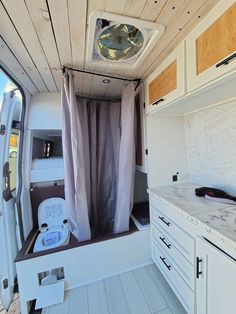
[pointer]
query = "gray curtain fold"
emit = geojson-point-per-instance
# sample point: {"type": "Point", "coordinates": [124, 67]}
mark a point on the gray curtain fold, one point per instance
{"type": "Point", "coordinates": [126, 169]}
{"type": "Point", "coordinates": [100, 124]}
{"type": "Point", "coordinates": [98, 149]}
{"type": "Point", "coordinates": [74, 163]}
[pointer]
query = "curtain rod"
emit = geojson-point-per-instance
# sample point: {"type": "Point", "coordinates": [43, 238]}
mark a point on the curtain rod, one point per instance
{"type": "Point", "coordinates": [64, 69]}
{"type": "Point", "coordinates": [99, 99]}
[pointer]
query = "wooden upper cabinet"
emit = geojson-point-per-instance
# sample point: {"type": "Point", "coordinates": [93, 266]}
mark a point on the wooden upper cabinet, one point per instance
{"type": "Point", "coordinates": [211, 46]}
{"type": "Point", "coordinates": [164, 83]}
{"type": "Point", "coordinates": [218, 41]}
{"type": "Point", "coordinates": [167, 82]}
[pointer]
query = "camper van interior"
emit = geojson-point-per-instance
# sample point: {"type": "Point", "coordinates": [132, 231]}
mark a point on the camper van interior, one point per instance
{"type": "Point", "coordinates": [118, 156]}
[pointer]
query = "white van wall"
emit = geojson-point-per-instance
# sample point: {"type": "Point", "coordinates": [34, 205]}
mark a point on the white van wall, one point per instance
{"type": "Point", "coordinates": [45, 112]}
{"type": "Point", "coordinates": [211, 141]}
{"type": "Point", "coordinates": [25, 201]}
{"type": "Point", "coordinates": [166, 150]}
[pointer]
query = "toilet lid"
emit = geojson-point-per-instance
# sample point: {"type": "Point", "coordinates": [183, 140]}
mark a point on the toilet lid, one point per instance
{"type": "Point", "coordinates": [51, 213]}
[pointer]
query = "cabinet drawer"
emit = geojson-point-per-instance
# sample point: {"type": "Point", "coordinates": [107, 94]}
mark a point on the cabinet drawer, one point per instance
{"type": "Point", "coordinates": [210, 43]}
{"type": "Point", "coordinates": [184, 268]}
{"type": "Point", "coordinates": [182, 291]}
{"type": "Point", "coordinates": [182, 241]}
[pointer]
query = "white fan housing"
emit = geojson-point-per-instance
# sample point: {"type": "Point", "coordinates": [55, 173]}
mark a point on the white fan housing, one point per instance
{"type": "Point", "coordinates": [102, 22]}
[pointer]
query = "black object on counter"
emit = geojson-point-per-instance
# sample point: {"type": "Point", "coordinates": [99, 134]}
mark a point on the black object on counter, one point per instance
{"type": "Point", "coordinates": [214, 193]}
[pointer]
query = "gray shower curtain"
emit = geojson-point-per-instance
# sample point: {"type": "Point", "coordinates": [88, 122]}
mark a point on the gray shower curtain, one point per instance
{"type": "Point", "coordinates": [74, 163]}
{"type": "Point", "coordinates": [98, 150]}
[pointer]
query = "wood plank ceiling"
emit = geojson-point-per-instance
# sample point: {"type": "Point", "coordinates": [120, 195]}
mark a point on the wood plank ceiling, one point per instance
{"type": "Point", "coordinates": [37, 37]}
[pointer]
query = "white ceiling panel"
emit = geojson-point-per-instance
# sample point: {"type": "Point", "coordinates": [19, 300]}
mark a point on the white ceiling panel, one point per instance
{"type": "Point", "coordinates": [43, 35]}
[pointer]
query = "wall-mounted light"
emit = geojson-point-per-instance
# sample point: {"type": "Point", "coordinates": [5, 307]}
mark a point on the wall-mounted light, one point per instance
{"type": "Point", "coordinates": [106, 81]}
{"type": "Point", "coordinates": [46, 15]}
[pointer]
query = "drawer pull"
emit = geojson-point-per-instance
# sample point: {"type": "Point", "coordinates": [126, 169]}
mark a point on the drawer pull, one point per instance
{"type": "Point", "coordinates": [166, 244]}
{"type": "Point", "coordinates": [159, 100]}
{"type": "Point", "coordinates": [163, 220]}
{"type": "Point", "coordinates": [164, 262]}
{"type": "Point", "coordinates": [226, 60]}
{"type": "Point", "coordinates": [198, 272]}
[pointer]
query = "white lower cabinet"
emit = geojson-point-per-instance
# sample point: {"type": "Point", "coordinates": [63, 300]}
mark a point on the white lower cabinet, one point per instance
{"type": "Point", "coordinates": [173, 252]}
{"type": "Point", "coordinates": [171, 273]}
{"type": "Point", "coordinates": [216, 282]}
{"type": "Point", "coordinates": [202, 275]}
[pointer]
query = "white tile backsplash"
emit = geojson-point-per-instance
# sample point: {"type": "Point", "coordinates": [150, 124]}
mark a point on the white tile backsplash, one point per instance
{"type": "Point", "coordinates": [210, 137]}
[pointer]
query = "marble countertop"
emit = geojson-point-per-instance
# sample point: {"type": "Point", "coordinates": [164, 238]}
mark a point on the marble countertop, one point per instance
{"type": "Point", "coordinates": [217, 219]}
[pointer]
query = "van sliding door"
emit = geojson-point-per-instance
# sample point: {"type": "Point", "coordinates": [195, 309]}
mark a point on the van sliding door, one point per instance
{"type": "Point", "coordinates": [10, 113]}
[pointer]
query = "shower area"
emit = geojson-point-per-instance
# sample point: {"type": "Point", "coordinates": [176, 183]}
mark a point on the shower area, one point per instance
{"type": "Point", "coordinates": [103, 153]}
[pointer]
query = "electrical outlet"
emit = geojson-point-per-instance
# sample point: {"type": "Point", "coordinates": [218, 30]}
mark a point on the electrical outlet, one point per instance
{"type": "Point", "coordinates": [175, 178]}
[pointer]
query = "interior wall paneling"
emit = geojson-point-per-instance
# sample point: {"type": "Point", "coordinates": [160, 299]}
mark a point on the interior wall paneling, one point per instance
{"type": "Point", "coordinates": [18, 12]}
{"type": "Point", "coordinates": [77, 8]}
{"type": "Point", "coordinates": [176, 27]}
{"type": "Point", "coordinates": [134, 8]}
{"type": "Point", "coordinates": [78, 28]}
{"type": "Point", "coordinates": [11, 64]}
{"type": "Point", "coordinates": [17, 47]}
{"type": "Point", "coordinates": [166, 150]}
{"type": "Point", "coordinates": [96, 5]}
{"type": "Point", "coordinates": [41, 20]}
{"type": "Point", "coordinates": [152, 9]}
{"type": "Point", "coordinates": [60, 23]}
{"type": "Point", "coordinates": [114, 6]}
{"type": "Point", "coordinates": [45, 34]}
{"type": "Point", "coordinates": [210, 137]}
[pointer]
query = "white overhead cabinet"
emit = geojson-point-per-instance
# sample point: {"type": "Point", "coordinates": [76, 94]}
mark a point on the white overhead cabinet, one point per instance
{"type": "Point", "coordinates": [211, 46]}
{"type": "Point", "coordinates": [216, 276]}
{"type": "Point", "coordinates": [167, 83]}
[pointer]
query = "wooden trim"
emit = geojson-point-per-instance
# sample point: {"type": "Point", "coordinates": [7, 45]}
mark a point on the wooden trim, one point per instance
{"type": "Point", "coordinates": [26, 251]}
{"type": "Point", "coordinates": [139, 144]}
{"type": "Point", "coordinates": [218, 41]}
{"type": "Point", "coordinates": [164, 83]}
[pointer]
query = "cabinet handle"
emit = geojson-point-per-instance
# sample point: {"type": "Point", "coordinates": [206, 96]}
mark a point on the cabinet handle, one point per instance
{"type": "Point", "coordinates": [226, 60]}
{"type": "Point", "coordinates": [198, 273]}
{"type": "Point", "coordinates": [163, 220]}
{"type": "Point", "coordinates": [159, 100]}
{"type": "Point", "coordinates": [166, 244]}
{"type": "Point", "coordinates": [164, 262]}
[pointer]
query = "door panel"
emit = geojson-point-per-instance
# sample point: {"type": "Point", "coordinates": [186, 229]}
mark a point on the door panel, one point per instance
{"type": "Point", "coordinates": [10, 111]}
{"type": "Point", "coordinates": [216, 282]}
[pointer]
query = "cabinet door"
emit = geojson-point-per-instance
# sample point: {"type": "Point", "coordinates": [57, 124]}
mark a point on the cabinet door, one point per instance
{"type": "Point", "coordinates": [211, 44]}
{"type": "Point", "coordinates": [167, 83]}
{"type": "Point", "coordinates": [216, 277]}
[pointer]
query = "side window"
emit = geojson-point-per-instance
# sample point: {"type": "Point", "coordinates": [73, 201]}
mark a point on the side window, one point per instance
{"type": "Point", "coordinates": [13, 153]}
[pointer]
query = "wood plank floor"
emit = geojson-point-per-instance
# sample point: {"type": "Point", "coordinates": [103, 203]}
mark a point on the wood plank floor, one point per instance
{"type": "Point", "coordinates": [141, 291]}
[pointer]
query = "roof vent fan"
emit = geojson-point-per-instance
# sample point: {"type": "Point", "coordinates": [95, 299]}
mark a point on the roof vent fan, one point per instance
{"type": "Point", "coordinates": [119, 40]}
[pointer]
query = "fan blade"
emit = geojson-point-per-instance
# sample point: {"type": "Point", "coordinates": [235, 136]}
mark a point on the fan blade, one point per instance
{"type": "Point", "coordinates": [105, 36]}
